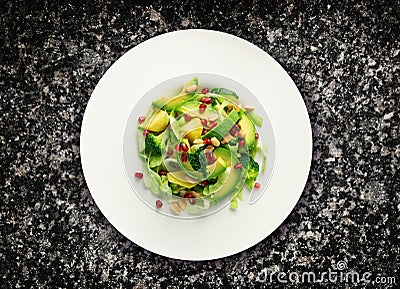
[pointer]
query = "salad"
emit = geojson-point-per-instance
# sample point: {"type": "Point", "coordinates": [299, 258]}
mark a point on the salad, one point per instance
{"type": "Point", "coordinates": [199, 148]}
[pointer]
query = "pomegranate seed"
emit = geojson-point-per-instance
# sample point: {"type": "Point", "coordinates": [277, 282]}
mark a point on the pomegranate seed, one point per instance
{"type": "Point", "coordinates": [238, 166]}
{"type": "Point", "coordinates": [256, 135]}
{"type": "Point", "coordinates": [178, 147]}
{"type": "Point", "coordinates": [139, 175]}
{"type": "Point", "coordinates": [241, 143]}
{"type": "Point", "coordinates": [203, 121]}
{"type": "Point", "coordinates": [188, 195]}
{"type": "Point", "coordinates": [184, 158]}
{"type": "Point", "coordinates": [207, 141]}
{"type": "Point", "coordinates": [146, 132]}
{"type": "Point", "coordinates": [204, 90]}
{"type": "Point", "coordinates": [236, 133]}
{"type": "Point", "coordinates": [232, 130]}
{"type": "Point", "coordinates": [188, 117]}
{"type": "Point", "coordinates": [192, 201]}
{"type": "Point", "coordinates": [236, 127]}
{"type": "Point", "coordinates": [170, 153]}
{"type": "Point", "coordinates": [206, 100]}
{"type": "Point", "coordinates": [204, 183]}
{"type": "Point", "coordinates": [202, 108]}
{"type": "Point", "coordinates": [141, 119]}
{"type": "Point", "coordinates": [204, 131]}
{"type": "Point", "coordinates": [184, 147]}
{"type": "Point", "coordinates": [212, 124]}
{"type": "Point", "coordinates": [159, 204]}
{"type": "Point", "coordinates": [257, 185]}
{"type": "Point", "coordinates": [162, 173]}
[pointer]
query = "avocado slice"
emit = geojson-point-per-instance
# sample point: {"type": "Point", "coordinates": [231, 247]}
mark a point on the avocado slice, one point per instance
{"type": "Point", "coordinates": [223, 128]}
{"type": "Point", "coordinates": [188, 106]}
{"type": "Point", "coordinates": [192, 130]}
{"type": "Point", "coordinates": [220, 167]}
{"type": "Point", "coordinates": [248, 130]}
{"type": "Point", "coordinates": [191, 107]}
{"type": "Point", "coordinates": [170, 104]}
{"type": "Point", "coordinates": [157, 122]}
{"type": "Point", "coordinates": [182, 179]}
{"type": "Point", "coordinates": [230, 180]}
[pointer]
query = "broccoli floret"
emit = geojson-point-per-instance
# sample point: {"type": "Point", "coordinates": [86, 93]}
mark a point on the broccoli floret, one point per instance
{"type": "Point", "coordinates": [194, 159]}
{"type": "Point", "coordinates": [254, 168]}
{"type": "Point", "coordinates": [252, 172]}
{"type": "Point", "coordinates": [244, 159]}
{"type": "Point", "coordinates": [175, 188]}
{"type": "Point", "coordinates": [197, 159]}
{"type": "Point", "coordinates": [153, 143]}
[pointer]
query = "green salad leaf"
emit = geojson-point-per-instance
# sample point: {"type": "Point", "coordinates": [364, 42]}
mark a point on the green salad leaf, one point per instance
{"type": "Point", "coordinates": [151, 179]}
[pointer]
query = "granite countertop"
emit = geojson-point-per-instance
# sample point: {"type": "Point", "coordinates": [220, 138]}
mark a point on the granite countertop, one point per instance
{"type": "Point", "coordinates": [344, 58]}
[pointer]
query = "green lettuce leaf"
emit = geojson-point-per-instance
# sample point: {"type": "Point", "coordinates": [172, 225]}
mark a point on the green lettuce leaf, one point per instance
{"type": "Point", "coordinates": [141, 140]}
{"type": "Point", "coordinates": [155, 161]}
{"type": "Point", "coordinates": [151, 179]}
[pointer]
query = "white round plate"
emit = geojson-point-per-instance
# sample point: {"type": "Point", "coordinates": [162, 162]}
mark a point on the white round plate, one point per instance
{"type": "Point", "coordinates": [161, 58]}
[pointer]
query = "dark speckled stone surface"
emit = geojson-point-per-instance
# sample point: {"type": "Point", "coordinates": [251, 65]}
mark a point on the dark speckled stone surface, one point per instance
{"type": "Point", "coordinates": [344, 59]}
